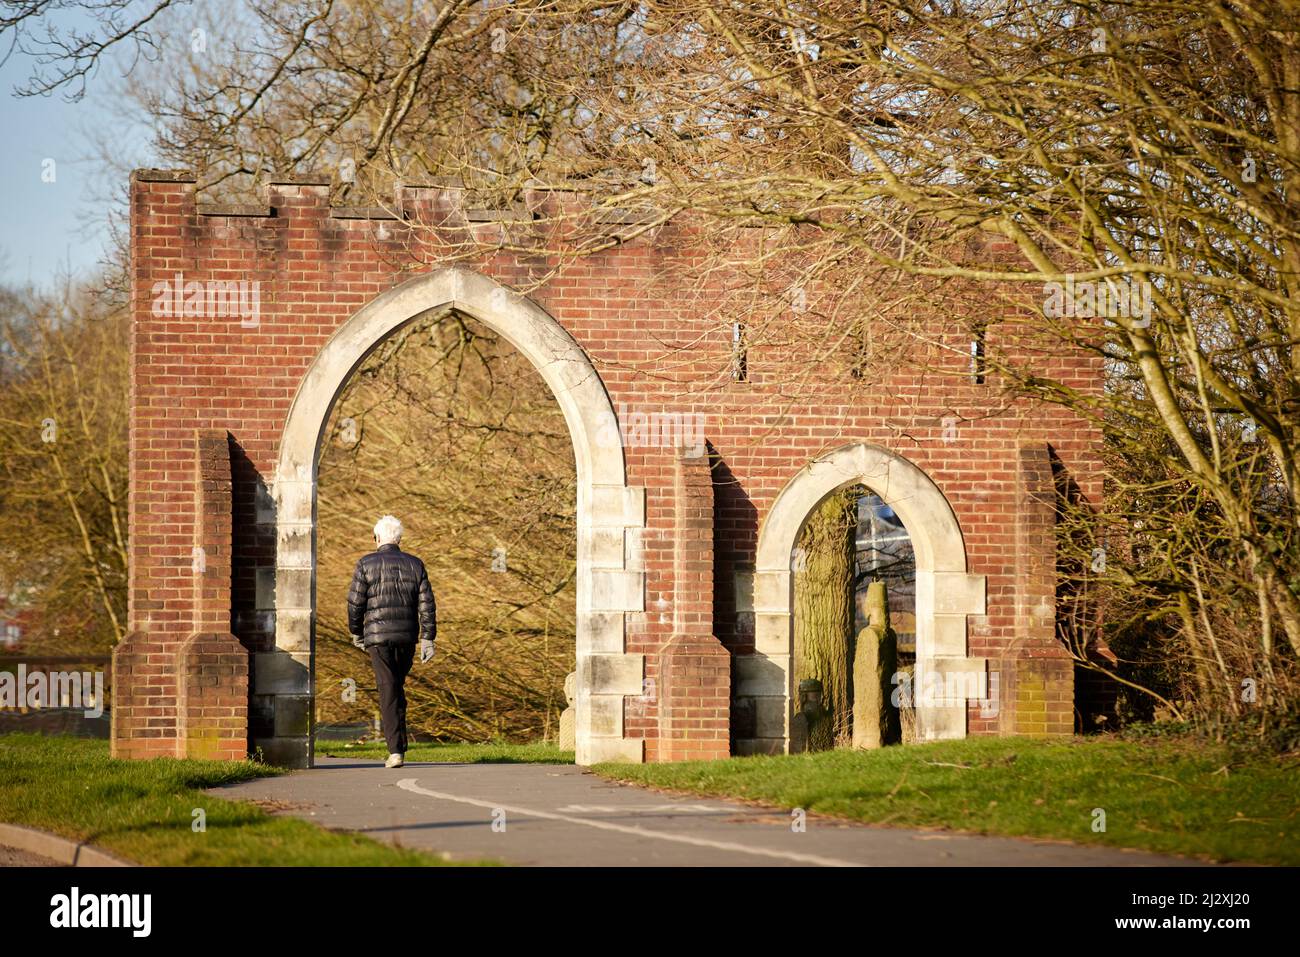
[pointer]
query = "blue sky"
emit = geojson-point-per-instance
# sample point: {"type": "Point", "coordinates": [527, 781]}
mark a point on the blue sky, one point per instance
{"type": "Point", "coordinates": [49, 228]}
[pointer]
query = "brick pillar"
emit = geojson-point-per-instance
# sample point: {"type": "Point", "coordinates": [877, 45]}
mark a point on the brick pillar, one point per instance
{"type": "Point", "coordinates": [1036, 686]}
{"type": "Point", "coordinates": [694, 667]}
{"type": "Point", "coordinates": [142, 720]}
{"type": "Point", "coordinates": [144, 715]}
{"type": "Point", "coordinates": [212, 666]}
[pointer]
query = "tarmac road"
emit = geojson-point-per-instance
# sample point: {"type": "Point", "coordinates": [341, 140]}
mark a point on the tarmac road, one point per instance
{"type": "Point", "coordinates": [562, 815]}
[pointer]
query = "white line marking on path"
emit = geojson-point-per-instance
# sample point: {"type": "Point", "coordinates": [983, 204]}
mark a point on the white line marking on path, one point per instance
{"type": "Point", "coordinates": [645, 809]}
{"type": "Point", "coordinates": [409, 784]}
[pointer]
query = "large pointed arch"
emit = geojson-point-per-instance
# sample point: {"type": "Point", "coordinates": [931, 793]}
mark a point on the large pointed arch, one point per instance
{"type": "Point", "coordinates": [945, 592]}
{"type": "Point", "coordinates": [283, 685]}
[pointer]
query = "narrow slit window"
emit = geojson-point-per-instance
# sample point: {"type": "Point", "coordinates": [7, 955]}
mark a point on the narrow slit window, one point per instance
{"type": "Point", "coordinates": [978, 365]}
{"type": "Point", "coordinates": [739, 353]}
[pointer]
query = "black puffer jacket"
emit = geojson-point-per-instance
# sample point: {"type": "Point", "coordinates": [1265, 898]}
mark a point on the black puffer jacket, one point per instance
{"type": "Point", "coordinates": [390, 600]}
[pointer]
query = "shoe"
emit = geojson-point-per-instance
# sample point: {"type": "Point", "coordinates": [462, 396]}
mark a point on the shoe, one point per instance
{"type": "Point", "coordinates": [394, 761]}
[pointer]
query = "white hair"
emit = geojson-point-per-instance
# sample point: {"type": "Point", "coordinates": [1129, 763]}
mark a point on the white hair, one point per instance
{"type": "Point", "coordinates": [388, 530]}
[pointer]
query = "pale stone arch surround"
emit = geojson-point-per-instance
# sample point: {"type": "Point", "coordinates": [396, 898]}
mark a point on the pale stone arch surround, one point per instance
{"type": "Point", "coordinates": [607, 588]}
{"type": "Point", "coordinates": [945, 592]}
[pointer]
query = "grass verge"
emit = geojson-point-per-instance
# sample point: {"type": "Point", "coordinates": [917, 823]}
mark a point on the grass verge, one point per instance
{"type": "Point", "coordinates": [1180, 796]}
{"type": "Point", "coordinates": [143, 810]}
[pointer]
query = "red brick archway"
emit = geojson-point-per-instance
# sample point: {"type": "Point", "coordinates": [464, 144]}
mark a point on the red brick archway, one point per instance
{"type": "Point", "coordinates": [607, 509]}
{"type": "Point", "coordinates": [233, 308]}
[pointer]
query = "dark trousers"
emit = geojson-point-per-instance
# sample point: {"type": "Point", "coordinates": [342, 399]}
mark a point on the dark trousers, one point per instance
{"type": "Point", "coordinates": [392, 663]}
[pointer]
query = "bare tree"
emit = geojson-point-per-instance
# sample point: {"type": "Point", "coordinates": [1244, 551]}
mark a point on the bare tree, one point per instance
{"type": "Point", "coordinates": [449, 427]}
{"type": "Point", "coordinates": [63, 481]}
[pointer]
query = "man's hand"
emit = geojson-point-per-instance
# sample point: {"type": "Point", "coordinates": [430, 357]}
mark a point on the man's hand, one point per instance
{"type": "Point", "coordinates": [426, 651]}
{"type": "Point", "coordinates": [359, 642]}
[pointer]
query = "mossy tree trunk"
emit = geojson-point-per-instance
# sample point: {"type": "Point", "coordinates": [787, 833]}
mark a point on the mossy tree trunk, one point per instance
{"type": "Point", "coordinates": [823, 609]}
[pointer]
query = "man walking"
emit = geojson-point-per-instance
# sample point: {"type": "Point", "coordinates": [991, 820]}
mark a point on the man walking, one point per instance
{"type": "Point", "coordinates": [390, 608]}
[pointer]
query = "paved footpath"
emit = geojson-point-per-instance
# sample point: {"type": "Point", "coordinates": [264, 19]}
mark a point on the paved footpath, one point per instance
{"type": "Point", "coordinates": [561, 815]}
{"type": "Point", "coordinates": [12, 857]}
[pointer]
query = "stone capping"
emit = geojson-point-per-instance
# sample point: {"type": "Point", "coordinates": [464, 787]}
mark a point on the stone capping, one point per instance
{"type": "Point", "coordinates": [449, 182]}
{"type": "Point", "coordinates": [362, 212]}
{"type": "Point", "coordinates": [945, 595]}
{"type": "Point", "coordinates": [236, 209]}
{"type": "Point", "coordinates": [299, 179]}
{"type": "Point", "coordinates": [163, 176]}
{"type": "Point", "coordinates": [405, 192]}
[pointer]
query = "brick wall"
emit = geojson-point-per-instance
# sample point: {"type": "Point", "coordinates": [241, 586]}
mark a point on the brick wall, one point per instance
{"type": "Point", "coordinates": [639, 312]}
